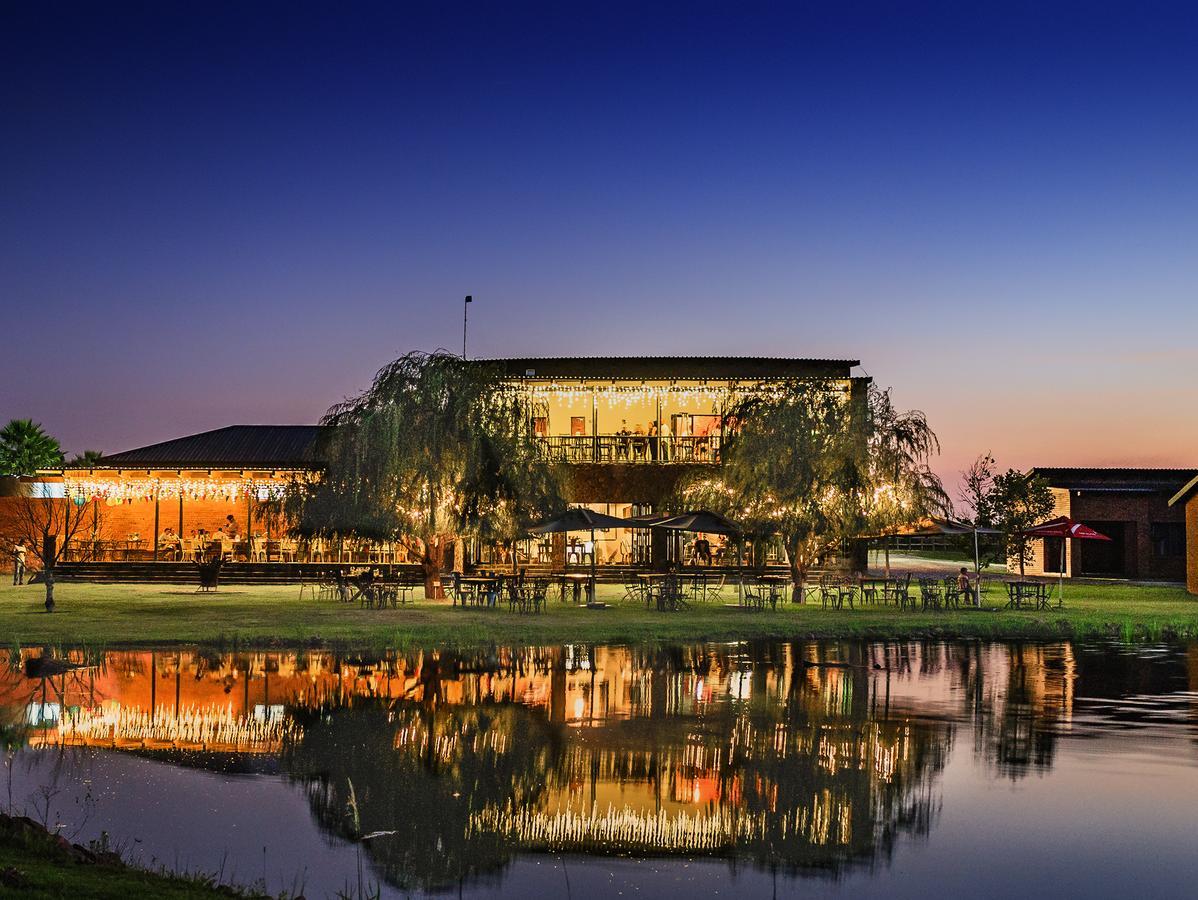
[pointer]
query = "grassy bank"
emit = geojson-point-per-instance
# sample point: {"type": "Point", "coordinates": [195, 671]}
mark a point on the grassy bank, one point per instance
{"type": "Point", "coordinates": [36, 865]}
{"type": "Point", "coordinates": [130, 615]}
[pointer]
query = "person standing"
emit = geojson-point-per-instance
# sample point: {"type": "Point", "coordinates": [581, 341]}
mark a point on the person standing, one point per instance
{"type": "Point", "coordinates": [18, 563]}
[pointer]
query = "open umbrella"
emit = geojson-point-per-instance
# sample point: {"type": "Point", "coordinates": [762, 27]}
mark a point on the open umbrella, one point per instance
{"type": "Point", "coordinates": [706, 522]}
{"type": "Point", "coordinates": [1065, 528]}
{"type": "Point", "coordinates": [582, 519]}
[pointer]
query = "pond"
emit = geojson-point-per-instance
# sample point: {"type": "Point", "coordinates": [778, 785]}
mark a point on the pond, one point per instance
{"type": "Point", "coordinates": [756, 769]}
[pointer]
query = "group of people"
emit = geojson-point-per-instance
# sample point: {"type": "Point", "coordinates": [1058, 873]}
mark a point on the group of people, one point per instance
{"type": "Point", "coordinates": [656, 443]}
{"type": "Point", "coordinates": [170, 542]}
{"type": "Point", "coordinates": [637, 442]}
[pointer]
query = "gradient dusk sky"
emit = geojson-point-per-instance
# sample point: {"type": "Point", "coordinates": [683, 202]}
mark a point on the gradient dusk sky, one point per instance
{"type": "Point", "coordinates": [214, 214]}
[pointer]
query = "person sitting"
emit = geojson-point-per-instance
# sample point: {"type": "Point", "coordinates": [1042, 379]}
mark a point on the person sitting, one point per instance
{"type": "Point", "coordinates": [231, 528]}
{"type": "Point", "coordinates": [171, 543]}
{"type": "Point", "coordinates": [963, 586]}
{"type": "Point", "coordinates": [703, 551]}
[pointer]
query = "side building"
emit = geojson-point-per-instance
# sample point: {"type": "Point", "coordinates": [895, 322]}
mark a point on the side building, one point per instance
{"type": "Point", "coordinates": [1131, 507]}
{"type": "Point", "coordinates": [1186, 500]}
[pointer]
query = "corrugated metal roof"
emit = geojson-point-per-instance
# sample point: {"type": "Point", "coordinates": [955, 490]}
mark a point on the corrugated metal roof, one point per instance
{"type": "Point", "coordinates": [1103, 478]}
{"type": "Point", "coordinates": [695, 367]}
{"type": "Point", "coordinates": [236, 446]}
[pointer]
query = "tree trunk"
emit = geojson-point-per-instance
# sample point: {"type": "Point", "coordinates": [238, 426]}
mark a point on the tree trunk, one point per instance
{"type": "Point", "coordinates": [798, 573]}
{"type": "Point", "coordinates": [430, 562]}
{"type": "Point", "coordinates": [48, 574]}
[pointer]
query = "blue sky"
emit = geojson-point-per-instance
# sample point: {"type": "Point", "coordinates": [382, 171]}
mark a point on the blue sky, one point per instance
{"type": "Point", "coordinates": [217, 213]}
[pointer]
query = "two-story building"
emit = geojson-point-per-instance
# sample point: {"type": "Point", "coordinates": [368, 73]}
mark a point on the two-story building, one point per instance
{"type": "Point", "coordinates": [624, 429]}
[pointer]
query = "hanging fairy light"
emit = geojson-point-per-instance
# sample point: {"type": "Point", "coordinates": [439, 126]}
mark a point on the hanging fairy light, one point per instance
{"type": "Point", "coordinates": [119, 490]}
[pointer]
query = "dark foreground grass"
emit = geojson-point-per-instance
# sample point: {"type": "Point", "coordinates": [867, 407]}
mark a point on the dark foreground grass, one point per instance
{"type": "Point", "coordinates": [35, 865]}
{"type": "Point", "coordinates": [131, 615]}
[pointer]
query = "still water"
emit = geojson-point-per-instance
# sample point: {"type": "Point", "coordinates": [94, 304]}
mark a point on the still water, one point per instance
{"type": "Point", "coordinates": [747, 769]}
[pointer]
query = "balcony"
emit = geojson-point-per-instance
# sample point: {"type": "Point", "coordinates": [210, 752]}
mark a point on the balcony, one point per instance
{"type": "Point", "coordinates": [632, 449]}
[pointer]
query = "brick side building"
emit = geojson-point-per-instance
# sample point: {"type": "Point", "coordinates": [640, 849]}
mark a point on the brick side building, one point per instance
{"type": "Point", "coordinates": [1130, 506]}
{"type": "Point", "coordinates": [1186, 499]}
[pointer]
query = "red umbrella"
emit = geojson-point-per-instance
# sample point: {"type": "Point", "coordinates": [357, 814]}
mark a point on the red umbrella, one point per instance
{"type": "Point", "coordinates": [1065, 528]}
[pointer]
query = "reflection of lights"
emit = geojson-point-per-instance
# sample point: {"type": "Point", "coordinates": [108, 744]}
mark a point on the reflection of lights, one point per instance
{"type": "Point", "coordinates": [43, 713]}
{"type": "Point", "coordinates": [579, 707]}
{"type": "Point", "coordinates": [699, 689]}
{"type": "Point", "coordinates": [740, 685]}
{"type": "Point", "coordinates": [207, 728]}
{"type": "Point", "coordinates": [826, 821]}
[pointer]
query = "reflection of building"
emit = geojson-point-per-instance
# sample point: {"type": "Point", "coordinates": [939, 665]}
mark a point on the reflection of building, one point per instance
{"type": "Point", "coordinates": [625, 430]}
{"type": "Point", "coordinates": [1132, 508]}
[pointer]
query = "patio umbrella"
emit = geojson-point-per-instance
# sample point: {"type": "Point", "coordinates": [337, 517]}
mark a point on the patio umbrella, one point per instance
{"type": "Point", "coordinates": [1064, 528]}
{"type": "Point", "coordinates": [582, 519]}
{"type": "Point", "coordinates": [706, 522]}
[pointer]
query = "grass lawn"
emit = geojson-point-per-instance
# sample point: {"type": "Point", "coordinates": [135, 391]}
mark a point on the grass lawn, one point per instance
{"type": "Point", "coordinates": [131, 615]}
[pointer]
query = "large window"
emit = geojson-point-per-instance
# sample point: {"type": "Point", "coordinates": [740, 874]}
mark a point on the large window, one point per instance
{"type": "Point", "coordinates": [1168, 539]}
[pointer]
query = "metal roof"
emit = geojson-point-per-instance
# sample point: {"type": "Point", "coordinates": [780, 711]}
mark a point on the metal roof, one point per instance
{"type": "Point", "coordinates": [668, 367]}
{"type": "Point", "coordinates": [235, 446]}
{"type": "Point", "coordinates": [1187, 489]}
{"type": "Point", "coordinates": [1112, 479]}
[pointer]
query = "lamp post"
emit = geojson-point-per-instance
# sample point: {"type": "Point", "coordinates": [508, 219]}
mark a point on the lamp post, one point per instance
{"type": "Point", "coordinates": [465, 309]}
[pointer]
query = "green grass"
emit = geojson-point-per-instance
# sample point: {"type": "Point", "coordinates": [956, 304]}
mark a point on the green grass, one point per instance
{"type": "Point", "coordinates": [33, 866]}
{"type": "Point", "coordinates": [131, 615]}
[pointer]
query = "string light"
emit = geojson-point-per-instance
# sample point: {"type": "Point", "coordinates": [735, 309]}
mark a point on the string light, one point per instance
{"type": "Point", "coordinates": [113, 491]}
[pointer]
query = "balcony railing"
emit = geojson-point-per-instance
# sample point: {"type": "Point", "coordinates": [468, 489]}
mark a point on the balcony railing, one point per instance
{"type": "Point", "coordinates": [619, 448]}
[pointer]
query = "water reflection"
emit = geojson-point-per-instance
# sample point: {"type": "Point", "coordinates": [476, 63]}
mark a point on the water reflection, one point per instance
{"type": "Point", "coordinates": [786, 756]}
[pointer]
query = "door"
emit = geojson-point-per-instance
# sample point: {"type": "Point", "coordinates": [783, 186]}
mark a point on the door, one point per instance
{"type": "Point", "coordinates": [1105, 558]}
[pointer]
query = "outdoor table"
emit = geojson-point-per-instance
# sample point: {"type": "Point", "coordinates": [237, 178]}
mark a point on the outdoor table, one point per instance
{"type": "Point", "coordinates": [483, 585]}
{"type": "Point", "coordinates": [1030, 593]}
{"type": "Point", "coordinates": [578, 580]}
{"type": "Point", "coordinates": [872, 588]}
{"type": "Point", "coordinates": [777, 583]}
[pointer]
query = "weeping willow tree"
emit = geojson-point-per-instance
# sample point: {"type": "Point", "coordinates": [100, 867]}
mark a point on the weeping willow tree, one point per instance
{"type": "Point", "coordinates": [817, 464]}
{"type": "Point", "coordinates": [437, 449]}
{"type": "Point", "coordinates": [904, 487]}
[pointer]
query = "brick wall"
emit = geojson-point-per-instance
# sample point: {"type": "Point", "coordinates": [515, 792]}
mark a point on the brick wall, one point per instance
{"type": "Point", "coordinates": [1137, 511]}
{"type": "Point", "coordinates": [137, 516]}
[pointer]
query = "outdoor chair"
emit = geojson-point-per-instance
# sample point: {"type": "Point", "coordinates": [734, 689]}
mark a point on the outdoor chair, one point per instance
{"type": "Point", "coordinates": [752, 596]}
{"type": "Point", "coordinates": [931, 593]}
{"type": "Point", "coordinates": [829, 593]}
{"type": "Point", "coordinates": [715, 589]}
{"type": "Point", "coordinates": [209, 573]}
{"type": "Point", "coordinates": [633, 591]}
{"type": "Point", "coordinates": [952, 594]}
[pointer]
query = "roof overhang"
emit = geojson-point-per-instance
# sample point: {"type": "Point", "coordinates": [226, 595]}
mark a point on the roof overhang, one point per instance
{"type": "Point", "coordinates": [1184, 494]}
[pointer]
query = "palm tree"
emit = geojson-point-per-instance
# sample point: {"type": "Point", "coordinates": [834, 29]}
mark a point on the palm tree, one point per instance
{"type": "Point", "coordinates": [87, 458]}
{"type": "Point", "coordinates": [25, 447]}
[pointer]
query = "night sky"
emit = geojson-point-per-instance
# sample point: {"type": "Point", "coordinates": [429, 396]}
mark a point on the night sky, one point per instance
{"type": "Point", "coordinates": [215, 214]}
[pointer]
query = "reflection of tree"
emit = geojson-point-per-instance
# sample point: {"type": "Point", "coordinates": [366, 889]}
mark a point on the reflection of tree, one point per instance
{"type": "Point", "coordinates": [798, 776]}
{"type": "Point", "coordinates": [1015, 728]}
{"type": "Point", "coordinates": [421, 771]}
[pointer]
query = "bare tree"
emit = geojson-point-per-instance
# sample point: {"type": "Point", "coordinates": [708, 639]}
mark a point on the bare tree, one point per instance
{"type": "Point", "coordinates": [50, 527]}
